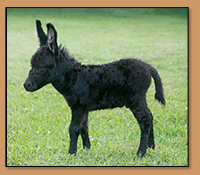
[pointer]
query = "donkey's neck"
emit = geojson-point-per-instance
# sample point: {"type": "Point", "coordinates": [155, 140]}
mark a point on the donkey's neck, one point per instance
{"type": "Point", "coordinates": [67, 67]}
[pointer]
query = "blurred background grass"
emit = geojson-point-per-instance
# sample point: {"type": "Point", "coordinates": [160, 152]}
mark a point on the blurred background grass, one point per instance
{"type": "Point", "coordinates": [111, 12]}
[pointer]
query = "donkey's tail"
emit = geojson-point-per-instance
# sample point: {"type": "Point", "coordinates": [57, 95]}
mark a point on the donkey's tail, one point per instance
{"type": "Point", "coordinates": [159, 95]}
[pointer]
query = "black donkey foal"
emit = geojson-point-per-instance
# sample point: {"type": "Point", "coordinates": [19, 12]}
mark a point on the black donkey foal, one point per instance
{"type": "Point", "coordinates": [91, 87]}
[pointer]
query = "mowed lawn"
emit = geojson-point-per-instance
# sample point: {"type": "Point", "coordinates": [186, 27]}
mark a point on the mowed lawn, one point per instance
{"type": "Point", "coordinates": [37, 123]}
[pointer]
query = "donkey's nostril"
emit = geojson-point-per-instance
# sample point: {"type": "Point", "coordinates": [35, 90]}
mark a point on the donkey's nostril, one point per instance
{"type": "Point", "coordinates": [27, 85]}
{"type": "Point", "coordinates": [30, 85]}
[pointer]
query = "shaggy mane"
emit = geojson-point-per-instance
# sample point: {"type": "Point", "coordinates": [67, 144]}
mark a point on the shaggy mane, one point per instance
{"type": "Point", "coordinates": [65, 54]}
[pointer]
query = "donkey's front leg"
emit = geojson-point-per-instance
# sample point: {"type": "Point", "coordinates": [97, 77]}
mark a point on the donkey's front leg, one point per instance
{"type": "Point", "coordinates": [78, 117]}
{"type": "Point", "coordinates": [84, 133]}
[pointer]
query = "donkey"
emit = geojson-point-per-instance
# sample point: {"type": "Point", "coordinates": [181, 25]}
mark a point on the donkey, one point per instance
{"type": "Point", "coordinates": [94, 87]}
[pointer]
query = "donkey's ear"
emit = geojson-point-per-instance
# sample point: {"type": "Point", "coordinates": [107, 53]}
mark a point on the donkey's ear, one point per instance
{"type": "Point", "coordinates": [42, 37]}
{"type": "Point", "coordinates": [52, 38]}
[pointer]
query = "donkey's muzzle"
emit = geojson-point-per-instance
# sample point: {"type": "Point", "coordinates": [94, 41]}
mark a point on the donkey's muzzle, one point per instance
{"type": "Point", "coordinates": [30, 85]}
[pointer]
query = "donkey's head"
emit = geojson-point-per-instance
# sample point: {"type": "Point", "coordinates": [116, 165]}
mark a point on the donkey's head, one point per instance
{"type": "Point", "coordinates": [43, 61]}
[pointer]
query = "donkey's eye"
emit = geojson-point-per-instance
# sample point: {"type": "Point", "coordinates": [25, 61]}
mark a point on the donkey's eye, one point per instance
{"type": "Point", "coordinates": [43, 69]}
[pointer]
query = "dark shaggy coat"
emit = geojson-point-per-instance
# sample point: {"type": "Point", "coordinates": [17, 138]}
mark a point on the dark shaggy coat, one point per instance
{"type": "Point", "coordinates": [91, 87]}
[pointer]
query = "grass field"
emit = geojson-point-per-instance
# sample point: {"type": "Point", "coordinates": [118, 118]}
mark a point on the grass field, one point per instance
{"type": "Point", "coordinates": [37, 123]}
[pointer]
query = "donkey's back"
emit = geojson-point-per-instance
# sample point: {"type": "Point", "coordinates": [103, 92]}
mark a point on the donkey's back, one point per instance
{"type": "Point", "coordinates": [114, 84]}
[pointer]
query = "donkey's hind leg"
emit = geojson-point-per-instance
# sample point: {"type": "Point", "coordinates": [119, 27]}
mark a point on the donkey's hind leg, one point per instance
{"type": "Point", "coordinates": [151, 143]}
{"type": "Point", "coordinates": [144, 118]}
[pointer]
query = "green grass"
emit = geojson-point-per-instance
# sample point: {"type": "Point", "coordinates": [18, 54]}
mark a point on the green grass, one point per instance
{"type": "Point", "coordinates": [37, 123]}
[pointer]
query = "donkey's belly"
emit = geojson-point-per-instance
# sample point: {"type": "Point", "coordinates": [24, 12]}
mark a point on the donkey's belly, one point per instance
{"type": "Point", "coordinates": [106, 102]}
